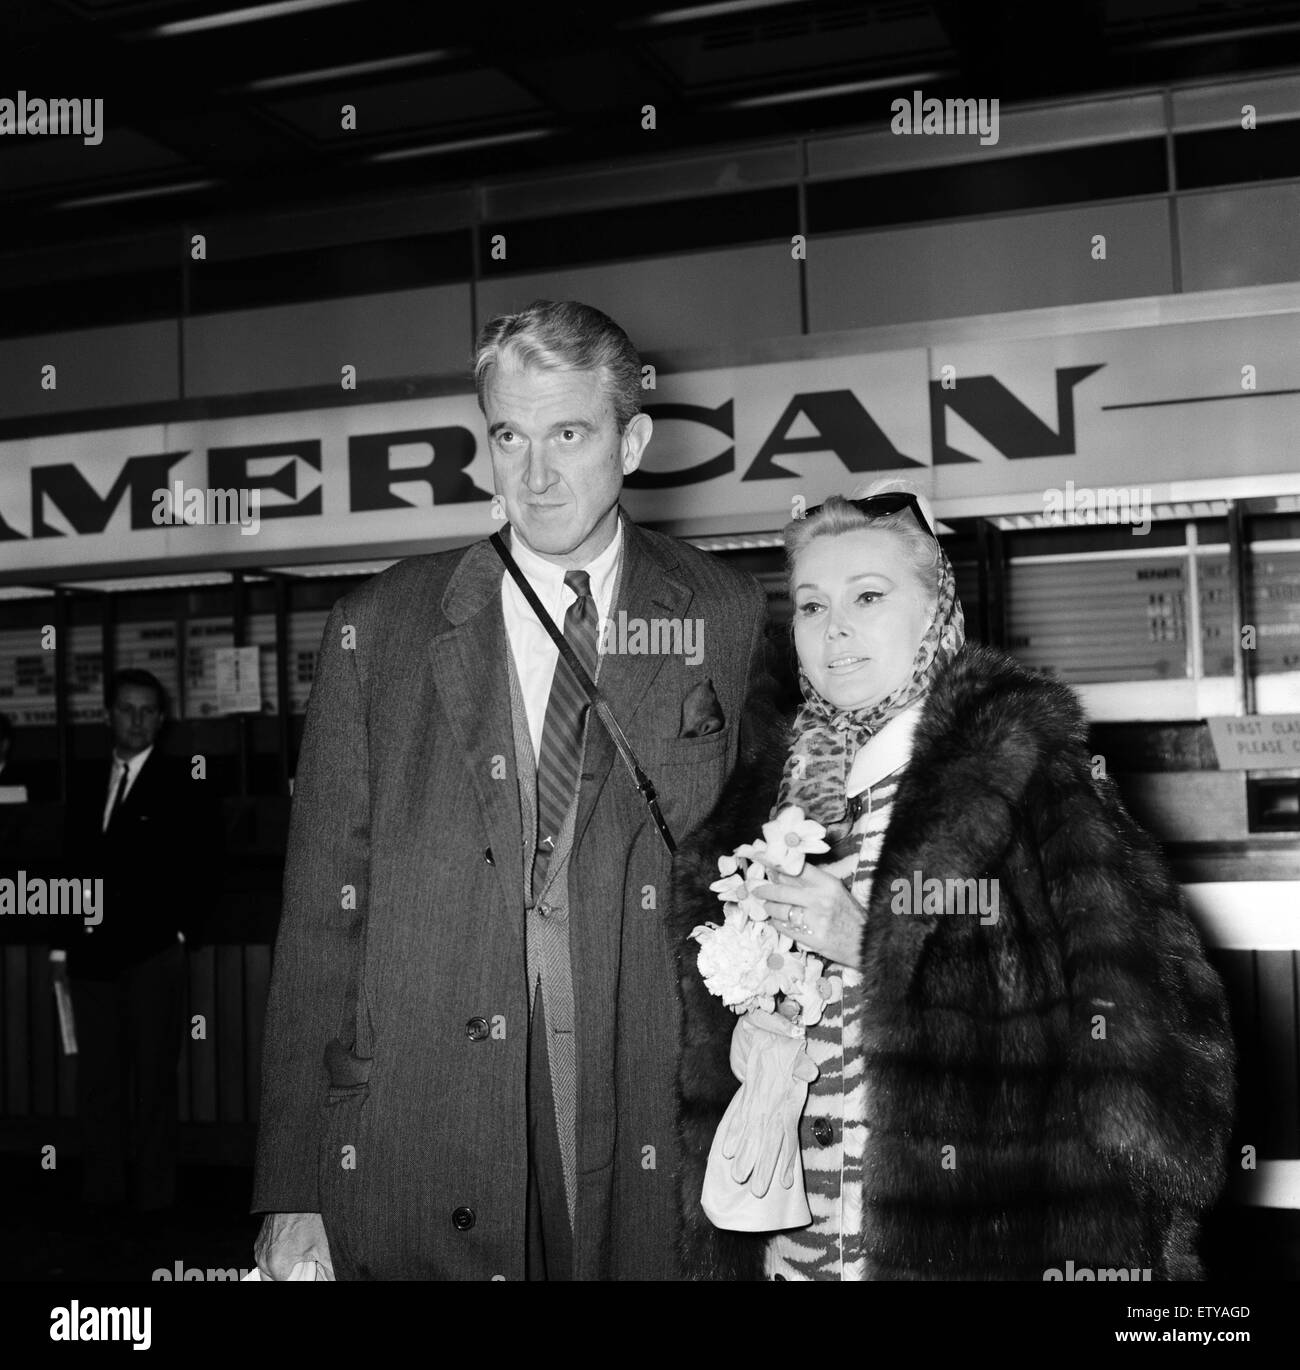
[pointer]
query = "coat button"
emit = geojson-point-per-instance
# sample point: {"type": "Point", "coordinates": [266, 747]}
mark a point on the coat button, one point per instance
{"type": "Point", "coordinates": [544, 910]}
{"type": "Point", "coordinates": [478, 1030]}
{"type": "Point", "coordinates": [487, 856]}
{"type": "Point", "coordinates": [822, 1131]}
{"type": "Point", "coordinates": [462, 1219]}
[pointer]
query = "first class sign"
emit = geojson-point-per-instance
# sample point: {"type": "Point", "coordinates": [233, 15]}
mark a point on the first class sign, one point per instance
{"type": "Point", "coordinates": [1257, 742]}
{"type": "Point", "coordinates": [998, 427]}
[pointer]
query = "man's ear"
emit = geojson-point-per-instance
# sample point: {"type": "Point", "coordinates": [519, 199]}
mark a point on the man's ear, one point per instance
{"type": "Point", "coordinates": [636, 436]}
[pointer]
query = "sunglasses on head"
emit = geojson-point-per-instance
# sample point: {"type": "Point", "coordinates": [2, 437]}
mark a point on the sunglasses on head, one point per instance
{"type": "Point", "coordinates": [879, 506]}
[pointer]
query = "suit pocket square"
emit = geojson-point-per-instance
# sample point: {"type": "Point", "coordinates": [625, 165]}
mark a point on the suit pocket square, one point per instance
{"type": "Point", "coordinates": [701, 712]}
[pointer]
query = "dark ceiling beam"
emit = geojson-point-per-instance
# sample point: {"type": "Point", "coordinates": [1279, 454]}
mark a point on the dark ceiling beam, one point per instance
{"type": "Point", "coordinates": [219, 136]}
{"type": "Point", "coordinates": [1024, 48]}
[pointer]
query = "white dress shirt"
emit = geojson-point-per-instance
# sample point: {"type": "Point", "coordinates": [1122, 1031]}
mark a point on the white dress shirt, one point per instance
{"type": "Point", "coordinates": [132, 769]}
{"type": "Point", "coordinates": [534, 653]}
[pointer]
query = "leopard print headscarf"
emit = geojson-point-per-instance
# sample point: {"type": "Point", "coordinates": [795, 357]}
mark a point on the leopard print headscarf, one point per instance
{"type": "Point", "coordinates": [827, 738]}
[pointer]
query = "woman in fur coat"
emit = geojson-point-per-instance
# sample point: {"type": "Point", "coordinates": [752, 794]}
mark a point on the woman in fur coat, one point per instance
{"type": "Point", "coordinates": [1023, 1069]}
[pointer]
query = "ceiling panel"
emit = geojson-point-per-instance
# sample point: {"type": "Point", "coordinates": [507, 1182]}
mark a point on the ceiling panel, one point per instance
{"type": "Point", "coordinates": [192, 129]}
{"type": "Point", "coordinates": [458, 99]}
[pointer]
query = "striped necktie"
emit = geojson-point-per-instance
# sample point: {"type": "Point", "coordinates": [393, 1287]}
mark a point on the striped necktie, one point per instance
{"type": "Point", "coordinates": [566, 713]}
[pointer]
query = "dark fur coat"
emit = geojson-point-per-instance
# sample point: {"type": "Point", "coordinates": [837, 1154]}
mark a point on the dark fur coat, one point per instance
{"type": "Point", "coordinates": [1075, 1053]}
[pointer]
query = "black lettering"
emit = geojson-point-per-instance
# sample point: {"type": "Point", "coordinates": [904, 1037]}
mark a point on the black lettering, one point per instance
{"type": "Point", "coordinates": [8, 534]}
{"type": "Point", "coordinates": [75, 498]}
{"type": "Point", "coordinates": [228, 470]}
{"type": "Point", "coordinates": [843, 427]}
{"type": "Point", "coordinates": [722, 418]}
{"type": "Point", "coordinates": [370, 477]}
{"type": "Point", "coordinates": [996, 414]}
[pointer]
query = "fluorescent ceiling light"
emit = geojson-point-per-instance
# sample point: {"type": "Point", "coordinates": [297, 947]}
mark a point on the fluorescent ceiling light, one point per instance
{"type": "Point", "coordinates": [130, 583]}
{"type": "Point", "coordinates": [121, 196]}
{"type": "Point", "coordinates": [249, 15]}
{"type": "Point", "coordinates": [1195, 40]}
{"type": "Point", "coordinates": [461, 145]}
{"type": "Point", "coordinates": [790, 97]}
{"type": "Point", "coordinates": [721, 10]}
{"type": "Point", "coordinates": [332, 569]}
{"type": "Point", "coordinates": [307, 78]}
{"type": "Point", "coordinates": [738, 542]}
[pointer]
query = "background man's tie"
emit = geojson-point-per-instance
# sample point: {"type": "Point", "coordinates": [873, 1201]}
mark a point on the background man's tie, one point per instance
{"type": "Point", "coordinates": [118, 798]}
{"type": "Point", "coordinates": [566, 711]}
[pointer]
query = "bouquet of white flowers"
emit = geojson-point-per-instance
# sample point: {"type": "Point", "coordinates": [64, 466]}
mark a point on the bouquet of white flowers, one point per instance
{"type": "Point", "coordinates": [754, 1178]}
{"type": "Point", "coordinates": [744, 960]}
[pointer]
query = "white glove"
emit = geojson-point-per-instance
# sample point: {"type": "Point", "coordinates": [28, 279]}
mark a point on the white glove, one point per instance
{"type": "Point", "coordinates": [758, 1137]}
{"type": "Point", "coordinates": [303, 1270]}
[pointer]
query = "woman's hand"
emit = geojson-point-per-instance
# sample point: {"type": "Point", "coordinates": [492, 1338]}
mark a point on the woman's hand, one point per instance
{"type": "Point", "coordinates": [816, 911]}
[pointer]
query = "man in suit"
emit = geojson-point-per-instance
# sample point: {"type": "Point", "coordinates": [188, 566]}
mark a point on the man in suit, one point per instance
{"type": "Point", "coordinates": [472, 1030]}
{"type": "Point", "coordinates": [144, 832]}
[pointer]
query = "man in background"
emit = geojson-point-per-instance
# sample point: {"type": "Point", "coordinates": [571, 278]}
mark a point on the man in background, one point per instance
{"type": "Point", "coordinates": [146, 832]}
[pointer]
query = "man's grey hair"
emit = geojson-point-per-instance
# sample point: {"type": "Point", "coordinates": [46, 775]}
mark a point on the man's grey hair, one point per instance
{"type": "Point", "coordinates": [563, 336]}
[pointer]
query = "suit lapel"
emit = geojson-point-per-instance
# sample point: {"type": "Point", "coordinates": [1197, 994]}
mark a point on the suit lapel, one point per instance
{"type": "Point", "coordinates": [647, 589]}
{"type": "Point", "coordinates": [471, 677]}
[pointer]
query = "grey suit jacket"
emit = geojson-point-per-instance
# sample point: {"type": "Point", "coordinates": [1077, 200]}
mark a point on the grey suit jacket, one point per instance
{"type": "Point", "coordinates": [404, 876]}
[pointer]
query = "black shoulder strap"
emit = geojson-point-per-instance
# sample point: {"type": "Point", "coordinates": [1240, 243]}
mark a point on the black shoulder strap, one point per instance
{"type": "Point", "coordinates": [598, 701]}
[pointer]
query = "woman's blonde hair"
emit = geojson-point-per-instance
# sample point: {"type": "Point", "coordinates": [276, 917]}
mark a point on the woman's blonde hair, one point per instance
{"type": "Point", "coordinates": [838, 515]}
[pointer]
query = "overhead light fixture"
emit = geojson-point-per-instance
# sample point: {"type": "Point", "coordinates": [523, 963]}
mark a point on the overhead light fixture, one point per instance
{"type": "Point", "coordinates": [331, 570]}
{"type": "Point", "coordinates": [126, 584]}
{"type": "Point", "coordinates": [122, 196]}
{"type": "Point", "coordinates": [375, 68]}
{"type": "Point", "coordinates": [251, 14]}
{"type": "Point", "coordinates": [723, 9]}
{"type": "Point", "coordinates": [460, 145]}
{"type": "Point", "coordinates": [791, 97]}
{"type": "Point", "coordinates": [1196, 40]}
{"type": "Point", "coordinates": [25, 592]}
{"type": "Point", "coordinates": [737, 542]}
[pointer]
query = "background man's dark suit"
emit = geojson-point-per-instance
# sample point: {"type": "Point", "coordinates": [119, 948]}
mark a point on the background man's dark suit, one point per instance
{"type": "Point", "coordinates": [127, 975]}
{"type": "Point", "coordinates": [407, 791]}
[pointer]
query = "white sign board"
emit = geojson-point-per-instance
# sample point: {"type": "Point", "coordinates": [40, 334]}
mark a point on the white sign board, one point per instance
{"type": "Point", "coordinates": [239, 685]}
{"type": "Point", "coordinates": [980, 427]}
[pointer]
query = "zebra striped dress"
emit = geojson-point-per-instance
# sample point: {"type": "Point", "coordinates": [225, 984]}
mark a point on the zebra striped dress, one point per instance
{"type": "Point", "coordinates": [832, 1133]}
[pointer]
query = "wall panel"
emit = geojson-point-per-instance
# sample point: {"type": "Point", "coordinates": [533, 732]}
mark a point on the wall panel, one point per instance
{"type": "Point", "coordinates": [696, 300]}
{"type": "Point", "coordinates": [1240, 237]}
{"type": "Point", "coordinates": [984, 266]}
{"type": "Point", "coordinates": [94, 368]}
{"type": "Point", "coordinates": [405, 333]}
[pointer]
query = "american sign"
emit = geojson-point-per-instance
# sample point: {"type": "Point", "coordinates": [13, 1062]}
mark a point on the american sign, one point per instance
{"type": "Point", "coordinates": [998, 426]}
